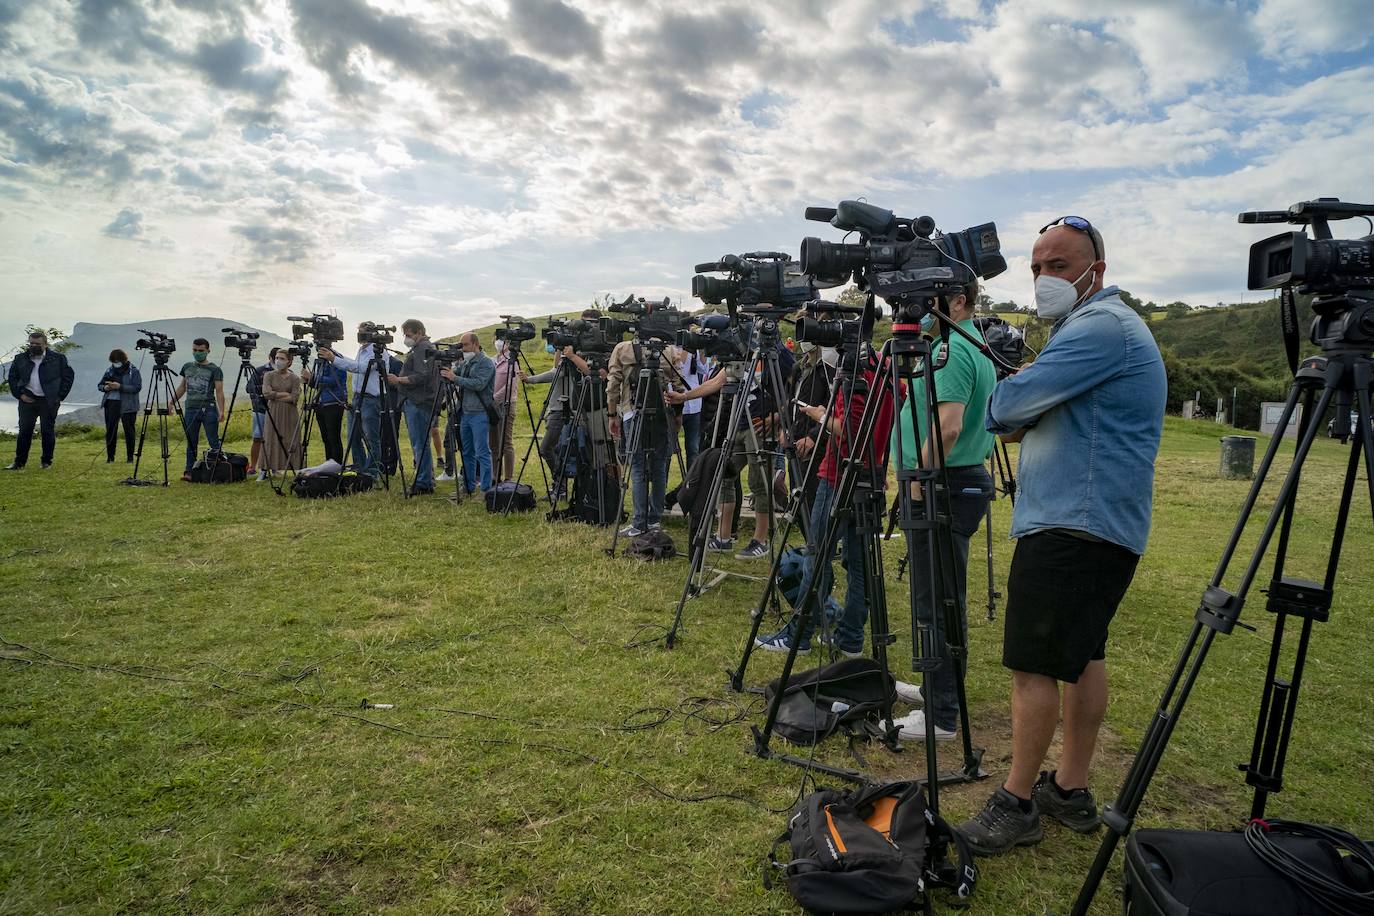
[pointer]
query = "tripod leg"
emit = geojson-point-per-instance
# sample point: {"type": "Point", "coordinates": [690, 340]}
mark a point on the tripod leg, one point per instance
{"type": "Point", "coordinates": [992, 585]}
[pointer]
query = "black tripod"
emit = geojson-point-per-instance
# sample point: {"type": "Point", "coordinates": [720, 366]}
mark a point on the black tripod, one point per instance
{"type": "Point", "coordinates": [758, 373]}
{"type": "Point", "coordinates": [565, 374]}
{"type": "Point", "coordinates": [588, 437]}
{"type": "Point", "coordinates": [1004, 482]}
{"type": "Point", "coordinates": [1343, 376]}
{"type": "Point", "coordinates": [376, 366]}
{"type": "Point", "coordinates": [161, 397]}
{"type": "Point", "coordinates": [448, 397]}
{"type": "Point", "coordinates": [653, 419]}
{"type": "Point", "coordinates": [515, 359]}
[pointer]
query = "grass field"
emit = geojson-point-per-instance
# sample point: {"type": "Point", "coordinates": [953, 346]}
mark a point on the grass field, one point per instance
{"type": "Point", "coordinates": [183, 673]}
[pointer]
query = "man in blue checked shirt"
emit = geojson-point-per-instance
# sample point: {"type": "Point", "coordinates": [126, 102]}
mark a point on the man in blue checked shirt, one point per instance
{"type": "Point", "coordinates": [1088, 414]}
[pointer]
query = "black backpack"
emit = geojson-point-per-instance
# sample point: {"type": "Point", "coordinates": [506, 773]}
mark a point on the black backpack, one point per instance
{"type": "Point", "coordinates": [867, 850]}
{"type": "Point", "coordinates": [847, 694]}
{"type": "Point", "coordinates": [326, 485]}
{"type": "Point", "coordinates": [593, 504]}
{"type": "Point", "coordinates": [220, 467]}
{"type": "Point", "coordinates": [655, 544]}
{"type": "Point", "coordinates": [519, 496]}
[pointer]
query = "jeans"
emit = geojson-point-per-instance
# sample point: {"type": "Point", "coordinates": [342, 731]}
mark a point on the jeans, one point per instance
{"type": "Point", "coordinates": [43, 413]}
{"type": "Point", "coordinates": [367, 441]}
{"type": "Point", "coordinates": [476, 450]}
{"type": "Point", "coordinates": [648, 475]}
{"type": "Point", "coordinates": [417, 426]}
{"type": "Point", "coordinates": [195, 419]}
{"type": "Point", "coordinates": [548, 445]}
{"type": "Point", "coordinates": [113, 418]}
{"type": "Point", "coordinates": [691, 436]}
{"type": "Point", "coordinates": [966, 512]}
{"type": "Point", "coordinates": [329, 417]}
{"type": "Point", "coordinates": [849, 629]}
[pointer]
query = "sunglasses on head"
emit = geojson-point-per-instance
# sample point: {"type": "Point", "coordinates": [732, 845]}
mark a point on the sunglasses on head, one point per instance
{"type": "Point", "coordinates": [1078, 224]}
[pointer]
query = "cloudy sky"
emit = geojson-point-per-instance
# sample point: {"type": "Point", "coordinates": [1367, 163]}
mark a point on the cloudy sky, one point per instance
{"type": "Point", "coordinates": [453, 160]}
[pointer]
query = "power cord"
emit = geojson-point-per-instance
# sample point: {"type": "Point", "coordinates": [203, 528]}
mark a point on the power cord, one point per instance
{"type": "Point", "coordinates": [1340, 897]}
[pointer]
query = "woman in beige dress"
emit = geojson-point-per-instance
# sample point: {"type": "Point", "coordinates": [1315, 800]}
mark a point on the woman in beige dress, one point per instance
{"type": "Point", "coordinates": [281, 447]}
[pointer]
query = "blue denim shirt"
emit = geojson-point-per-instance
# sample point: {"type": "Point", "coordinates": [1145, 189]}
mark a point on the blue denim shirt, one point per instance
{"type": "Point", "coordinates": [1093, 402]}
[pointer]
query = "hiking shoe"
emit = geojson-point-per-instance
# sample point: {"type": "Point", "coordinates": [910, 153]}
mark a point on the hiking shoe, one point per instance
{"type": "Point", "coordinates": [780, 641]}
{"type": "Point", "coordinates": [1001, 826]}
{"type": "Point", "coordinates": [720, 545]}
{"type": "Point", "coordinates": [631, 531]}
{"type": "Point", "coordinates": [755, 550]}
{"type": "Point", "coordinates": [910, 693]}
{"type": "Point", "coordinates": [828, 639]}
{"type": "Point", "coordinates": [1077, 810]}
{"type": "Point", "coordinates": [913, 726]}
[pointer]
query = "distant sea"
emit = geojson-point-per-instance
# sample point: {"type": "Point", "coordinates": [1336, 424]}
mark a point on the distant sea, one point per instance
{"type": "Point", "coordinates": [9, 411]}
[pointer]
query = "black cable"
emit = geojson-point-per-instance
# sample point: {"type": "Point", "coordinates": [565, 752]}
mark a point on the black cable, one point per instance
{"type": "Point", "coordinates": [1341, 898]}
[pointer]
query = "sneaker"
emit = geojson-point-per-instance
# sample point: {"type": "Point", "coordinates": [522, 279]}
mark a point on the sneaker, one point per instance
{"type": "Point", "coordinates": [631, 531]}
{"type": "Point", "coordinates": [1077, 812]}
{"type": "Point", "coordinates": [828, 639]}
{"type": "Point", "coordinates": [780, 641]}
{"type": "Point", "coordinates": [14, 467]}
{"type": "Point", "coordinates": [910, 693]}
{"type": "Point", "coordinates": [1002, 825]}
{"type": "Point", "coordinates": [443, 477]}
{"type": "Point", "coordinates": [913, 726]}
{"type": "Point", "coordinates": [720, 545]}
{"type": "Point", "coordinates": [753, 551]}
{"type": "Point", "coordinates": [45, 465]}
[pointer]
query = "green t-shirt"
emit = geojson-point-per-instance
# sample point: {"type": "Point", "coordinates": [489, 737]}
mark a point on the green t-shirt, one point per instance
{"type": "Point", "coordinates": [200, 384]}
{"type": "Point", "coordinates": [967, 378]}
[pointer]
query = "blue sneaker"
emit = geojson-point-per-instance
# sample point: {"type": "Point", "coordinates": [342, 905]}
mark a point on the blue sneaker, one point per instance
{"type": "Point", "coordinates": [780, 641]}
{"type": "Point", "coordinates": [720, 545]}
{"type": "Point", "coordinates": [828, 639]}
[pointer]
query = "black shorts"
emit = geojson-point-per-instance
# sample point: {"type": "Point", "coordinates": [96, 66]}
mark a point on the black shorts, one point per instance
{"type": "Point", "coordinates": [1062, 593]}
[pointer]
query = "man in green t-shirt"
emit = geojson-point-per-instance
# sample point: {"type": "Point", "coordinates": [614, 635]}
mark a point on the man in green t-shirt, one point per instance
{"type": "Point", "coordinates": [202, 382]}
{"type": "Point", "coordinates": [962, 388]}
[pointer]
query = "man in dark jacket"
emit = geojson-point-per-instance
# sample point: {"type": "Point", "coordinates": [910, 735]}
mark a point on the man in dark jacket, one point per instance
{"type": "Point", "coordinates": [418, 382]}
{"type": "Point", "coordinates": [41, 379]}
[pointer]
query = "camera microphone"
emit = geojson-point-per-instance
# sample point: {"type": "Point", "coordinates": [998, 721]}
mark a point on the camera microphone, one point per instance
{"type": "Point", "coordinates": [820, 214]}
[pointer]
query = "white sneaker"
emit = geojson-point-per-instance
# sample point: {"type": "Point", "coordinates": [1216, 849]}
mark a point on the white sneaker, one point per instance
{"type": "Point", "coordinates": [630, 531]}
{"type": "Point", "coordinates": [443, 477]}
{"type": "Point", "coordinates": [910, 693]}
{"type": "Point", "coordinates": [913, 726]}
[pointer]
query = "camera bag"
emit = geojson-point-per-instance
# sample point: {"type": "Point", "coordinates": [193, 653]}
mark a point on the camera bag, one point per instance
{"type": "Point", "coordinates": [220, 467]}
{"type": "Point", "coordinates": [867, 850]}
{"type": "Point", "coordinates": [519, 496]}
{"type": "Point", "coordinates": [655, 544]}
{"type": "Point", "coordinates": [1209, 873]}
{"type": "Point", "coordinates": [592, 504]}
{"type": "Point", "coordinates": [847, 694]}
{"type": "Point", "coordinates": [327, 484]}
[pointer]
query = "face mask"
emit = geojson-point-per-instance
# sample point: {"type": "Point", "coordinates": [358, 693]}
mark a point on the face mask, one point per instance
{"type": "Point", "coordinates": [928, 323]}
{"type": "Point", "coordinates": [500, 347]}
{"type": "Point", "coordinates": [548, 348]}
{"type": "Point", "coordinates": [409, 343]}
{"type": "Point", "coordinates": [1055, 297]}
{"type": "Point", "coordinates": [830, 356]}
{"type": "Point", "coordinates": [198, 356]}
{"type": "Point", "coordinates": [282, 363]}
{"type": "Point", "coordinates": [116, 365]}
{"type": "Point", "coordinates": [806, 346]}
{"type": "Point", "coordinates": [35, 350]}
{"type": "Point", "coordinates": [469, 355]}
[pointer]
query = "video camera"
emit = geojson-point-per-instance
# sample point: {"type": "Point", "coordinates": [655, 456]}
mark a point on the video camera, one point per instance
{"type": "Point", "coordinates": [326, 329]}
{"type": "Point", "coordinates": [651, 322]}
{"type": "Point", "coordinates": [832, 331]}
{"type": "Point", "coordinates": [759, 281]}
{"type": "Point", "coordinates": [296, 348]}
{"type": "Point", "coordinates": [243, 341]}
{"type": "Point", "coordinates": [372, 333]}
{"type": "Point", "coordinates": [1004, 339]}
{"type": "Point", "coordinates": [717, 336]}
{"type": "Point", "coordinates": [447, 354]}
{"type": "Point", "coordinates": [160, 345]}
{"type": "Point", "coordinates": [586, 337]}
{"type": "Point", "coordinates": [1331, 270]}
{"type": "Point", "coordinates": [516, 330]}
{"type": "Point", "coordinates": [897, 259]}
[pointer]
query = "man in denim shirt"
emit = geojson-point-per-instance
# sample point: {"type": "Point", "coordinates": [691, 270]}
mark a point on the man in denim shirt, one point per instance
{"type": "Point", "coordinates": [1088, 413]}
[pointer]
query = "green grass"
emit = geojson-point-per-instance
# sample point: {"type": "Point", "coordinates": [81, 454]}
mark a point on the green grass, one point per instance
{"type": "Point", "coordinates": [181, 730]}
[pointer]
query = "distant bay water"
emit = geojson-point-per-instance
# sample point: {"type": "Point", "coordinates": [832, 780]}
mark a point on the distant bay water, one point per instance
{"type": "Point", "coordinates": [9, 412]}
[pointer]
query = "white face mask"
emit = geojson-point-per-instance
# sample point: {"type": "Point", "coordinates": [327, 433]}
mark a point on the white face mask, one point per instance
{"type": "Point", "coordinates": [1055, 297]}
{"type": "Point", "coordinates": [500, 347]}
{"type": "Point", "coordinates": [282, 363]}
{"type": "Point", "coordinates": [409, 343]}
{"type": "Point", "coordinates": [830, 356]}
{"type": "Point", "coordinates": [468, 355]}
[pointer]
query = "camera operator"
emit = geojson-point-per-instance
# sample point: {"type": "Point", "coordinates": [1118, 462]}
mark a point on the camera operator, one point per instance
{"type": "Point", "coordinates": [202, 382]}
{"type": "Point", "coordinates": [367, 401]}
{"type": "Point", "coordinates": [844, 421]}
{"type": "Point", "coordinates": [811, 381]}
{"type": "Point", "coordinates": [418, 383]}
{"type": "Point", "coordinates": [281, 391]}
{"type": "Point", "coordinates": [562, 396]}
{"type": "Point", "coordinates": [743, 448]}
{"type": "Point", "coordinates": [962, 388]}
{"type": "Point", "coordinates": [119, 388]}
{"type": "Point", "coordinates": [1088, 413]}
{"type": "Point", "coordinates": [694, 368]}
{"type": "Point", "coordinates": [476, 375]}
{"type": "Point", "coordinates": [649, 463]}
{"type": "Point", "coordinates": [331, 382]}
{"type": "Point", "coordinates": [40, 379]}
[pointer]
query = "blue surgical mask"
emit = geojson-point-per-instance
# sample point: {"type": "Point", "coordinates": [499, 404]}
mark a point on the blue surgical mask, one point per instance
{"type": "Point", "coordinates": [928, 323]}
{"type": "Point", "coordinates": [548, 348]}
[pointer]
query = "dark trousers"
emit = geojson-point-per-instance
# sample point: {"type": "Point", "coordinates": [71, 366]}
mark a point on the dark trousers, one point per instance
{"type": "Point", "coordinates": [330, 420]}
{"type": "Point", "coordinates": [44, 413]}
{"type": "Point", "coordinates": [113, 418]}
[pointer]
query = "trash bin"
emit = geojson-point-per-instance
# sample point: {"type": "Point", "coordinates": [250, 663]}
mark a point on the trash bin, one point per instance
{"type": "Point", "coordinates": [1238, 457]}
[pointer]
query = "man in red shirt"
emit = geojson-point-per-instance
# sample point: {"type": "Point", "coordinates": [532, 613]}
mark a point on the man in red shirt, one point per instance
{"type": "Point", "coordinates": [845, 417]}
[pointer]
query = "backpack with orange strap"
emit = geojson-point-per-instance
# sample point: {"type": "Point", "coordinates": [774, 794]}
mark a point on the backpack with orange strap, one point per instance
{"type": "Point", "coordinates": [872, 849]}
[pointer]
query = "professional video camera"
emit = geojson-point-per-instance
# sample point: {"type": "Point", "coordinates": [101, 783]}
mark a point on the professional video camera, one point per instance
{"type": "Point", "coordinates": [447, 354]}
{"type": "Point", "coordinates": [758, 279]}
{"type": "Point", "coordinates": [897, 258]}
{"type": "Point", "coordinates": [1006, 340]}
{"type": "Point", "coordinates": [160, 345]}
{"type": "Point", "coordinates": [653, 322]}
{"type": "Point", "coordinates": [326, 329]}
{"type": "Point", "coordinates": [586, 337]}
{"type": "Point", "coordinates": [822, 326]}
{"type": "Point", "coordinates": [296, 348]}
{"type": "Point", "coordinates": [243, 341]}
{"type": "Point", "coordinates": [516, 330]}
{"type": "Point", "coordinates": [1330, 270]}
{"type": "Point", "coordinates": [718, 337]}
{"type": "Point", "coordinates": [370, 333]}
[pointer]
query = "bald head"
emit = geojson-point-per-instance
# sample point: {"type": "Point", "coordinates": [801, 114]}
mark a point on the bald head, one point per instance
{"type": "Point", "coordinates": [1067, 253]}
{"type": "Point", "coordinates": [469, 342]}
